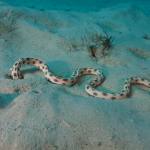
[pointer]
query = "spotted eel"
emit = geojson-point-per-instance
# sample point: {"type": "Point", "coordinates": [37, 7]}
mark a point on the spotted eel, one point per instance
{"type": "Point", "coordinates": [90, 88]}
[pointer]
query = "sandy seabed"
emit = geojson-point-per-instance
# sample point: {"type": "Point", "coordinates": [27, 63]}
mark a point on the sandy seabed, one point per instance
{"type": "Point", "coordinates": [38, 115]}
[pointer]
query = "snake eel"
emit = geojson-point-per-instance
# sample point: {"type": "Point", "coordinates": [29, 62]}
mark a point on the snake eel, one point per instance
{"type": "Point", "coordinates": [90, 88]}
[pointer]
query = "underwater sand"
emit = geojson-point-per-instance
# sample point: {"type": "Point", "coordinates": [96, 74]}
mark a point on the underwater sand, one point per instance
{"type": "Point", "coordinates": [38, 115]}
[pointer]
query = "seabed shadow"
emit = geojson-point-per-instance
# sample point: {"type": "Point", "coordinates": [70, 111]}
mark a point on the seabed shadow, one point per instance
{"type": "Point", "coordinates": [6, 99]}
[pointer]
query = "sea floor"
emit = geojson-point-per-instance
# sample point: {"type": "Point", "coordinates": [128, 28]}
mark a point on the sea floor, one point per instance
{"type": "Point", "coordinates": [38, 115]}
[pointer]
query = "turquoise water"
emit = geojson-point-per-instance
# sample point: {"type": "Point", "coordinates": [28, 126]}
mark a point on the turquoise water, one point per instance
{"type": "Point", "coordinates": [79, 5]}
